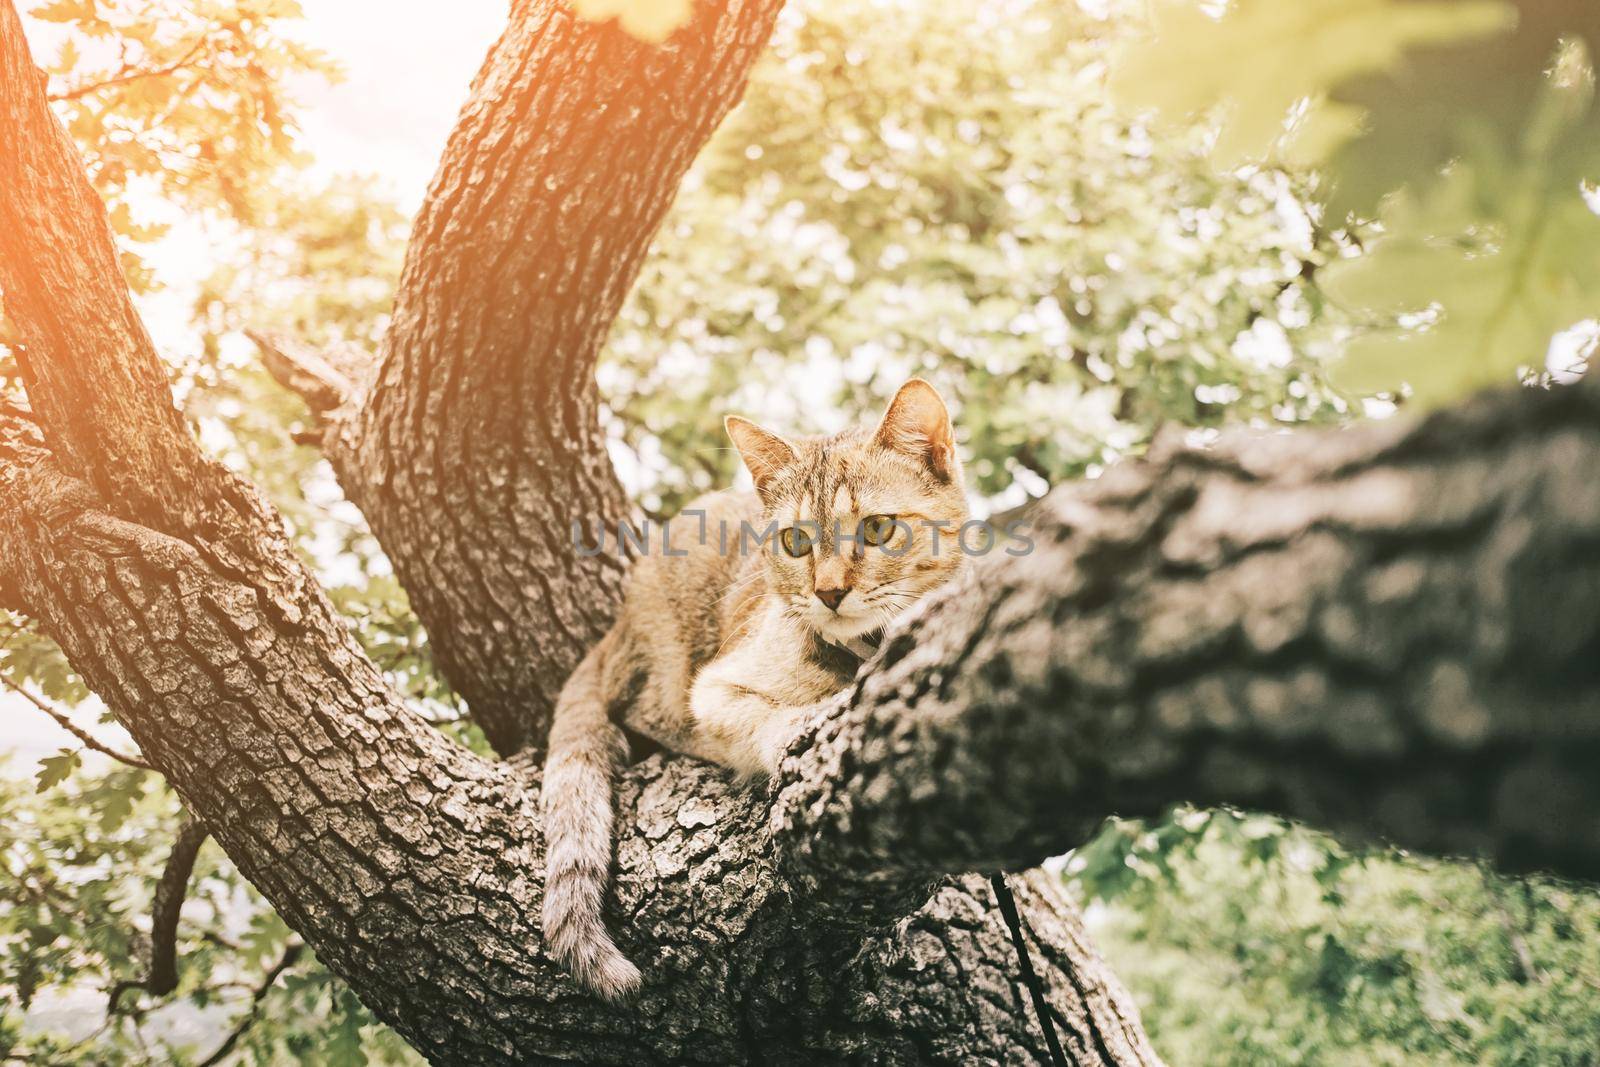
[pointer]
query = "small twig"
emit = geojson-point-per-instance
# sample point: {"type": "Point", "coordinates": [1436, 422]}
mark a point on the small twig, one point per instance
{"type": "Point", "coordinates": [323, 379]}
{"type": "Point", "coordinates": [131, 74]}
{"type": "Point", "coordinates": [291, 953]}
{"type": "Point", "coordinates": [13, 630]}
{"type": "Point", "coordinates": [83, 1042]}
{"type": "Point", "coordinates": [75, 730]}
{"type": "Point", "coordinates": [213, 938]}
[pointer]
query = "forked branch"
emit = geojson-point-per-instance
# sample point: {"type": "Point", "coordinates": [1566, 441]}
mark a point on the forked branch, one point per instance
{"type": "Point", "coordinates": [478, 444]}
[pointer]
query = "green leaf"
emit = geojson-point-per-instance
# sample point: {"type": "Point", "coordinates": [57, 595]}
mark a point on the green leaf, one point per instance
{"type": "Point", "coordinates": [116, 798]}
{"type": "Point", "coordinates": [1264, 58]}
{"type": "Point", "coordinates": [53, 770]}
{"type": "Point", "coordinates": [69, 56]}
{"type": "Point", "coordinates": [1498, 259]}
{"type": "Point", "coordinates": [64, 11]}
{"type": "Point", "coordinates": [1476, 98]}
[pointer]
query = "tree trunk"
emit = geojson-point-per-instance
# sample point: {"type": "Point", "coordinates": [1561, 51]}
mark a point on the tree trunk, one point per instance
{"type": "Point", "coordinates": [413, 867]}
{"type": "Point", "coordinates": [409, 865]}
{"type": "Point", "coordinates": [472, 442]}
{"type": "Point", "coordinates": [1381, 629]}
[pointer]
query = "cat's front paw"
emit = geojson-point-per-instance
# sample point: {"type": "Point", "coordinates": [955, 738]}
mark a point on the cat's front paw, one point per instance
{"type": "Point", "coordinates": [775, 739]}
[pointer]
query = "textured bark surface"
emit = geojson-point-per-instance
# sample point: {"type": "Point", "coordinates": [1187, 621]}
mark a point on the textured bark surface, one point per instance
{"type": "Point", "coordinates": [472, 443]}
{"type": "Point", "coordinates": [411, 866]}
{"type": "Point", "coordinates": [87, 361]}
{"type": "Point", "coordinates": [90, 369]}
{"type": "Point", "coordinates": [1387, 630]}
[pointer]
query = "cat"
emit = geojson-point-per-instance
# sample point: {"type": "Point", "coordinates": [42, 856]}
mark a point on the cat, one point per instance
{"type": "Point", "coordinates": [752, 610]}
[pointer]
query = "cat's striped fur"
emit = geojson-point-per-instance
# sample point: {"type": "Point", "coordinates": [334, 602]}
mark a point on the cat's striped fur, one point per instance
{"type": "Point", "coordinates": [720, 652]}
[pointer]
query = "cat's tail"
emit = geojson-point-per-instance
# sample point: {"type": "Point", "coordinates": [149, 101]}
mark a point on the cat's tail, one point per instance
{"type": "Point", "coordinates": [585, 750]}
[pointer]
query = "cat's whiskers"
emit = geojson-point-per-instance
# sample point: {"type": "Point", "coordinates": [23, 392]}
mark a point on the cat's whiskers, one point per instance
{"type": "Point", "coordinates": [895, 597]}
{"type": "Point", "coordinates": [886, 612]}
{"type": "Point", "coordinates": [741, 585]}
{"type": "Point", "coordinates": [888, 588]}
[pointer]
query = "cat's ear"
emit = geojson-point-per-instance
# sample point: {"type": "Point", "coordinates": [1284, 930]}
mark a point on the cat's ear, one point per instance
{"type": "Point", "coordinates": [764, 452]}
{"type": "Point", "coordinates": [917, 424]}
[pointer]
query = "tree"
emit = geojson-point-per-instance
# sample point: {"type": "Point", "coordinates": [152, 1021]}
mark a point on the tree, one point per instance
{"type": "Point", "coordinates": [1295, 623]}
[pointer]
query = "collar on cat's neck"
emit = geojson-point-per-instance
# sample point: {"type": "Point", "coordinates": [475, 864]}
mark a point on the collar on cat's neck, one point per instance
{"type": "Point", "coordinates": [862, 647]}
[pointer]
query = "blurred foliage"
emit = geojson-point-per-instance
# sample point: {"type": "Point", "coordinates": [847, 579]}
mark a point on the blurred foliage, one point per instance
{"type": "Point", "coordinates": [176, 107]}
{"type": "Point", "coordinates": [1249, 940]}
{"type": "Point", "coordinates": [910, 187]}
{"type": "Point", "coordinates": [27, 656]}
{"type": "Point", "coordinates": [1468, 128]}
{"type": "Point", "coordinates": [77, 867]}
{"type": "Point", "coordinates": [320, 262]}
{"type": "Point", "coordinates": [944, 190]}
{"type": "Point", "coordinates": [187, 101]}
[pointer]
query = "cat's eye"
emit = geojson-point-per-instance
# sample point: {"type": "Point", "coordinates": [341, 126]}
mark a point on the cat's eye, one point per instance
{"type": "Point", "coordinates": [795, 541]}
{"type": "Point", "coordinates": [877, 529]}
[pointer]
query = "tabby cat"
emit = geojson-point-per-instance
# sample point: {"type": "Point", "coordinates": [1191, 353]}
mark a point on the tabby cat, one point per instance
{"type": "Point", "coordinates": [750, 611]}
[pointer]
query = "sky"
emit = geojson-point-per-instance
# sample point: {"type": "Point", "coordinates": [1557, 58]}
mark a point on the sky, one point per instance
{"type": "Point", "coordinates": [407, 69]}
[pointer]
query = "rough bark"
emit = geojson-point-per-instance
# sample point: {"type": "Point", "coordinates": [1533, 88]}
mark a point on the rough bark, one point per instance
{"type": "Point", "coordinates": [472, 442]}
{"type": "Point", "coordinates": [411, 866]}
{"type": "Point", "coordinates": [88, 365]}
{"type": "Point", "coordinates": [1388, 631]}
{"type": "Point", "coordinates": [87, 361]}
{"type": "Point", "coordinates": [1381, 630]}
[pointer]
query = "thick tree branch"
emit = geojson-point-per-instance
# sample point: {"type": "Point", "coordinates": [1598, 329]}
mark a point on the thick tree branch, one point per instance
{"type": "Point", "coordinates": [94, 382]}
{"type": "Point", "coordinates": [280, 735]}
{"type": "Point", "coordinates": [412, 867]}
{"type": "Point", "coordinates": [1389, 630]}
{"type": "Point", "coordinates": [172, 888]}
{"type": "Point", "coordinates": [92, 375]}
{"type": "Point", "coordinates": [474, 443]}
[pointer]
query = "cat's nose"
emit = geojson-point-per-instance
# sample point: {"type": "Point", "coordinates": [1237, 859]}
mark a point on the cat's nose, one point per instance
{"type": "Point", "coordinates": [832, 597]}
